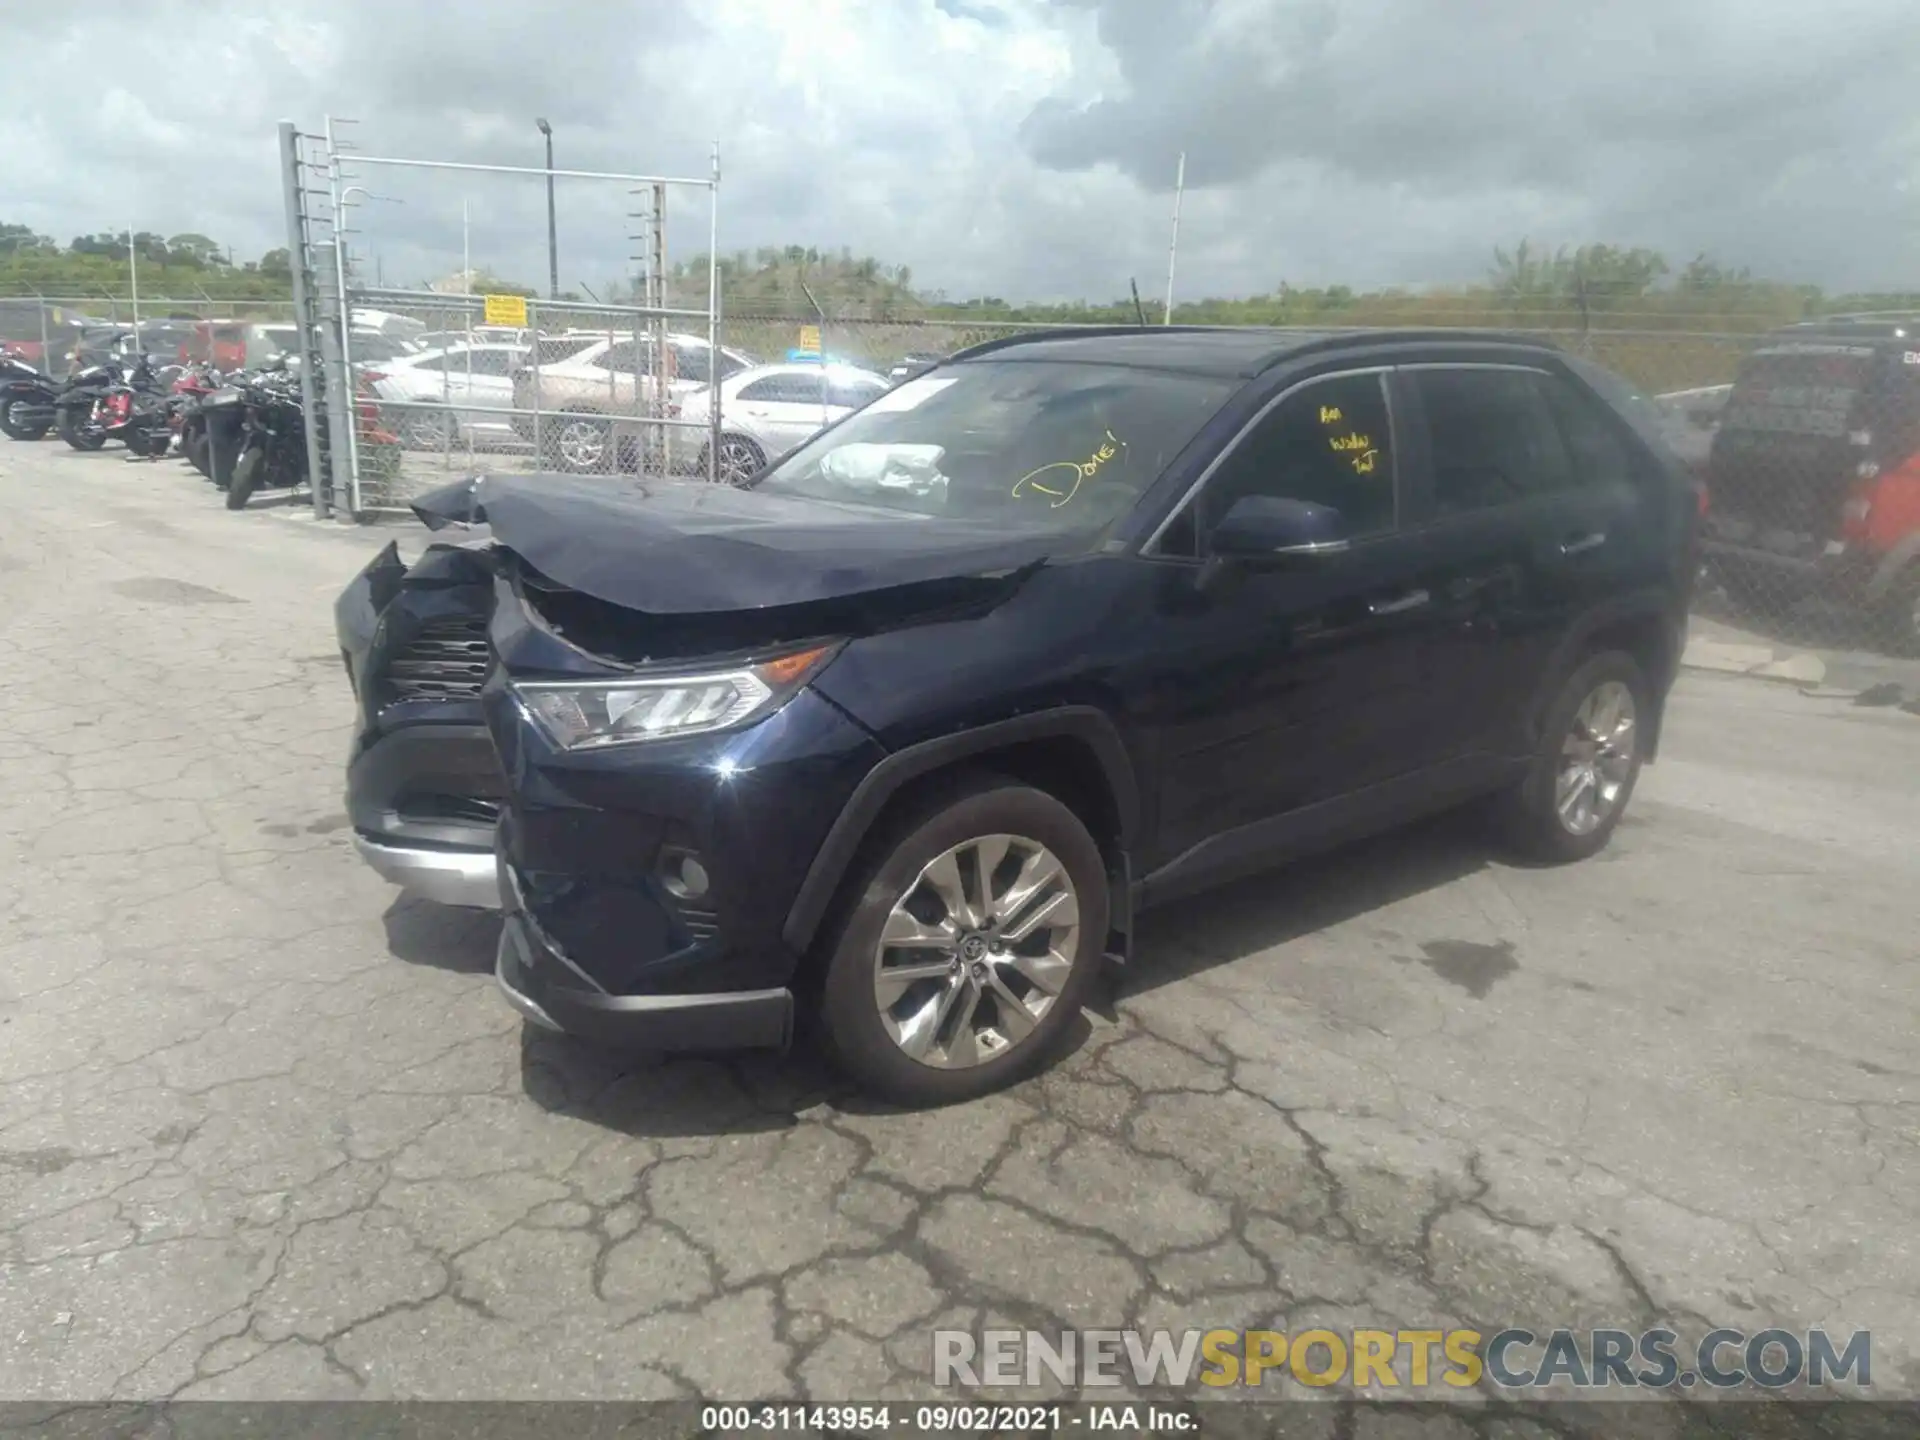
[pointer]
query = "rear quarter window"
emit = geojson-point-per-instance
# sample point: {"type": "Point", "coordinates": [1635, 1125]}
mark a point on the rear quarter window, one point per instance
{"type": "Point", "coordinates": [1800, 388]}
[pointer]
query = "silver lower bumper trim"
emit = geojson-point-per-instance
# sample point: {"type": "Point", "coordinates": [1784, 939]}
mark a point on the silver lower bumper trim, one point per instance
{"type": "Point", "coordinates": [524, 1004]}
{"type": "Point", "coordinates": [469, 878]}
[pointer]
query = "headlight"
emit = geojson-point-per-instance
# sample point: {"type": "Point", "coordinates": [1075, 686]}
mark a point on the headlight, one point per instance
{"type": "Point", "coordinates": [588, 714]}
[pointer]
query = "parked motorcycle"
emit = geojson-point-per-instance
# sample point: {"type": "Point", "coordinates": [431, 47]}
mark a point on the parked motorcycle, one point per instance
{"type": "Point", "coordinates": [78, 403]}
{"type": "Point", "coordinates": [137, 411]}
{"type": "Point", "coordinates": [274, 449]}
{"type": "Point", "coordinates": [26, 400]}
{"type": "Point", "coordinates": [186, 411]}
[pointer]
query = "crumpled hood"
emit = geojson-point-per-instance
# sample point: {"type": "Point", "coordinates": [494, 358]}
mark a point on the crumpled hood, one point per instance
{"type": "Point", "coordinates": [681, 547]}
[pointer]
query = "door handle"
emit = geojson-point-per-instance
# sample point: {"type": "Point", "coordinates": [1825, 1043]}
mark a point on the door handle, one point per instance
{"type": "Point", "coordinates": [1412, 600]}
{"type": "Point", "coordinates": [1583, 543]}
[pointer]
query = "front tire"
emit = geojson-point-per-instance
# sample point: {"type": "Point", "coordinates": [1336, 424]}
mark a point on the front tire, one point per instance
{"type": "Point", "coordinates": [20, 430]}
{"type": "Point", "coordinates": [968, 950]}
{"type": "Point", "coordinates": [79, 431]}
{"type": "Point", "coordinates": [1591, 751]}
{"type": "Point", "coordinates": [247, 471]}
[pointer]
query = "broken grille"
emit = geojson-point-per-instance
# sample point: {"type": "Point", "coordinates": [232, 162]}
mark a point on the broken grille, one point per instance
{"type": "Point", "coordinates": [447, 660]}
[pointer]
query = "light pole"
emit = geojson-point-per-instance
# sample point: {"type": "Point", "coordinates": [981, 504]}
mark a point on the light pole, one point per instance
{"type": "Point", "coordinates": [553, 243]}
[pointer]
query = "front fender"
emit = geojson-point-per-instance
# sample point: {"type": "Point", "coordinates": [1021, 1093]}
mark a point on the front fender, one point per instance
{"type": "Point", "coordinates": [1083, 723]}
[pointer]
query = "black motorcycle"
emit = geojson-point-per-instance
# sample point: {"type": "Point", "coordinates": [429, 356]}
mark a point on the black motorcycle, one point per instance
{"type": "Point", "coordinates": [273, 451]}
{"type": "Point", "coordinates": [214, 430]}
{"type": "Point", "coordinates": [26, 400]}
{"type": "Point", "coordinates": [138, 410]}
{"type": "Point", "coordinates": [78, 404]}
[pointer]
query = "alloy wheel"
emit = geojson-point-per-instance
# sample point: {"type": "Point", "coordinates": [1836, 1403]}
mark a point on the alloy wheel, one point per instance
{"type": "Point", "coordinates": [1596, 759]}
{"type": "Point", "coordinates": [976, 951]}
{"type": "Point", "coordinates": [582, 444]}
{"type": "Point", "coordinates": [739, 461]}
{"type": "Point", "coordinates": [430, 431]}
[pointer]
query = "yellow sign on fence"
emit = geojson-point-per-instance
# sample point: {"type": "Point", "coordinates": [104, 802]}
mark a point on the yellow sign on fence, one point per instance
{"type": "Point", "coordinates": [507, 310]}
{"type": "Point", "coordinates": [810, 339]}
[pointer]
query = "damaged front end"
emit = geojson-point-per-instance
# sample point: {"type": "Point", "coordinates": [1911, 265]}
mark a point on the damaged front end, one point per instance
{"type": "Point", "coordinates": [423, 787]}
{"type": "Point", "coordinates": [671, 768]}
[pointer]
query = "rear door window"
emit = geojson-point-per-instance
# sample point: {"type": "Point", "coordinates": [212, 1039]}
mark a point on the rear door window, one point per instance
{"type": "Point", "coordinates": [785, 389]}
{"type": "Point", "coordinates": [852, 394]}
{"type": "Point", "coordinates": [1493, 438]}
{"type": "Point", "coordinates": [621, 357]}
{"type": "Point", "coordinates": [1600, 456]}
{"type": "Point", "coordinates": [1805, 388]}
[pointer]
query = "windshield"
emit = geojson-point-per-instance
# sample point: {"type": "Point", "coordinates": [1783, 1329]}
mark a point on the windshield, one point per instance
{"type": "Point", "coordinates": [1055, 445]}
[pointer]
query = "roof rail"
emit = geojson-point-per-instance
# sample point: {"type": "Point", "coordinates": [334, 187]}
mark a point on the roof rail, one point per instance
{"type": "Point", "coordinates": [1082, 332]}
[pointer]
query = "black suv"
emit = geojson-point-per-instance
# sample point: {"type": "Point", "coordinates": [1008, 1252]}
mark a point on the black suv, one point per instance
{"type": "Point", "coordinates": [1815, 474]}
{"type": "Point", "coordinates": [914, 724]}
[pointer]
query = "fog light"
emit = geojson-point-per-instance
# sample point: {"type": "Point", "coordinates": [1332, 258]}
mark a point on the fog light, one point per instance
{"type": "Point", "coordinates": [683, 875]}
{"type": "Point", "coordinates": [693, 878]}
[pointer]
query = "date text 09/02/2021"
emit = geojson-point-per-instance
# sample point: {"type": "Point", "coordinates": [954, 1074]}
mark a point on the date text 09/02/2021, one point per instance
{"type": "Point", "coordinates": [985, 1419]}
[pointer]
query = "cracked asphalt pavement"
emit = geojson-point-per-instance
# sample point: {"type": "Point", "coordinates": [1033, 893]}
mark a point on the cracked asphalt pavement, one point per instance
{"type": "Point", "coordinates": [267, 1132]}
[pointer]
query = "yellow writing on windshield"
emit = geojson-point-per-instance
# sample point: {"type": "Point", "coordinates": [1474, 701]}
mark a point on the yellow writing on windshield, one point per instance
{"type": "Point", "coordinates": [1330, 415]}
{"type": "Point", "coordinates": [1064, 477]}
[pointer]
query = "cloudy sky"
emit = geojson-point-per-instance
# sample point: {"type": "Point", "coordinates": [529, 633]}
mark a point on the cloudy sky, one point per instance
{"type": "Point", "coordinates": [1013, 147]}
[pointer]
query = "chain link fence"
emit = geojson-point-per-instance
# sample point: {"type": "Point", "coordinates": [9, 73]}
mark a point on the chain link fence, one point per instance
{"type": "Point", "coordinates": [48, 331]}
{"type": "Point", "coordinates": [577, 388]}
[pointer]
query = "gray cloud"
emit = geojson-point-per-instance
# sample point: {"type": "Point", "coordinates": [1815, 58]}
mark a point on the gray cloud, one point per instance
{"type": "Point", "coordinates": [1012, 147]}
{"type": "Point", "coordinates": [1764, 130]}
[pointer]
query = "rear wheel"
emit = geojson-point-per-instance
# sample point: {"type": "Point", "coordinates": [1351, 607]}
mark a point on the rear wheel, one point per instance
{"type": "Point", "coordinates": [583, 446]}
{"type": "Point", "coordinates": [740, 460]}
{"type": "Point", "coordinates": [199, 451]}
{"type": "Point", "coordinates": [1590, 755]}
{"type": "Point", "coordinates": [78, 430]}
{"type": "Point", "coordinates": [247, 471]}
{"type": "Point", "coordinates": [428, 430]}
{"type": "Point", "coordinates": [971, 943]}
{"type": "Point", "coordinates": [1754, 593]}
{"type": "Point", "coordinates": [1899, 612]}
{"type": "Point", "coordinates": [18, 429]}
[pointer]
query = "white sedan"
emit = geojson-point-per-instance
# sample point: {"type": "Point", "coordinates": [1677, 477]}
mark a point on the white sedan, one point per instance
{"type": "Point", "coordinates": [768, 410]}
{"type": "Point", "coordinates": [454, 381]}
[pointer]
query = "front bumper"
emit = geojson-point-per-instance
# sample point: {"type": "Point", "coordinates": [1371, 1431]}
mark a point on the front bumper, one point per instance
{"type": "Point", "coordinates": [468, 878]}
{"type": "Point", "coordinates": [556, 995]}
{"type": "Point", "coordinates": [423, 787]}
{"type": "Point", "coordinates": [594, 847]}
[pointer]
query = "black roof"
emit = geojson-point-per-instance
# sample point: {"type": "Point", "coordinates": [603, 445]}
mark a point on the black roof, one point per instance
{"type": "Point", "coordinates": [1225, 351]}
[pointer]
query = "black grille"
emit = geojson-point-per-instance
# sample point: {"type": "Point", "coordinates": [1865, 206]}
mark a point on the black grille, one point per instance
{"type": "Point", "coordinates": [447, 660]}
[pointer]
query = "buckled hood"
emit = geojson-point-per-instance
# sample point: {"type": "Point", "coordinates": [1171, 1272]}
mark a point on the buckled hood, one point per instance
{"type": "Point", "coordinates": [687, 548]}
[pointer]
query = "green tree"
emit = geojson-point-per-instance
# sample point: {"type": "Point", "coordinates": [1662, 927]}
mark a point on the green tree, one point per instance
{"type": "Point", "coordinates": [14, 238]}
{"type": "Point", "coordinates": [194, 249]}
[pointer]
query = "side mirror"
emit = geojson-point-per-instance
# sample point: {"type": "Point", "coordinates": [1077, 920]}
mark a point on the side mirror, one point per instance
{"type": "Point", "coordinates": [1267, 529]}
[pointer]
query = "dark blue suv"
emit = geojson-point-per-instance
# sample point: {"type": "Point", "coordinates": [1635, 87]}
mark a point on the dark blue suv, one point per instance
{"type": "Point", "coordinates": [912, 726]}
